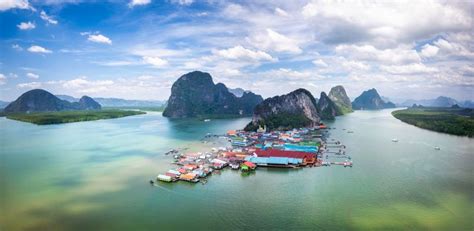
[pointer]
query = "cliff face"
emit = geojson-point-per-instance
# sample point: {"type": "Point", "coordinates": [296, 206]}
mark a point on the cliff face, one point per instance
{"type": "Point", "coordinates": [371, 100]}
{"type": "Point", "coordinates": [195, 94]}
{"type": "Point", "coordinates": [293, 110]}
{"type": "Point", "coordinates": [39, 100]}
{"type": "Point", "coordinates": [339, 97]}
{"type": "Point", "coordinates": [327, 109]}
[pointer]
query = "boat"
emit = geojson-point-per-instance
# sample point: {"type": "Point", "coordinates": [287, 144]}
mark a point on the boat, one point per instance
{"type": "Point", "coordinates": [395, 140]}
{"type": "Point", "coordinates": [234, 166]}
{"type": "Point", "coordinates": [348, 164]}
{"type": "Point", "coordinates": [437, 148]}
{"type": "Point", "coordinates": [207, 120]}
{"type": "Point", "coordinates": [164, 178]}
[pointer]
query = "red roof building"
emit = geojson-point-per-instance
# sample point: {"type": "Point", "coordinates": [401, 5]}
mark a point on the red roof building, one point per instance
{"type": "Point", "coordinates": [308, 158]}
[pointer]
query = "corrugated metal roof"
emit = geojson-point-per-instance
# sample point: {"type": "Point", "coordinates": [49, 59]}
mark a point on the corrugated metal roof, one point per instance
{"type": "Point", "coordinates": [274, 160]}
{"type": "Point", "coordinates": [278, 160]}
{"type": "Point", "coordinates": [283, 153]}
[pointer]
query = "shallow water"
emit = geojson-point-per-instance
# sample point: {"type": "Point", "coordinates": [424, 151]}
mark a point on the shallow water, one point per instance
{"type": "Point", "coordinates": [94, 175]}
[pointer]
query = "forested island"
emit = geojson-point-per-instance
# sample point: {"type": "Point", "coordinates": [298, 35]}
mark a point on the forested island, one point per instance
{"type": "Point", "coordinates": [454, 120]}
{"type": "Point", "coordinates": [41, 107]}
{"type": "Point", "coordinates": [58, 117]}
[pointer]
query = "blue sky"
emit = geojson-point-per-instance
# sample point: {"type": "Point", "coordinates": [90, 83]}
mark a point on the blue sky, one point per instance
{"type": "Point", "coordinates": [137, 49]}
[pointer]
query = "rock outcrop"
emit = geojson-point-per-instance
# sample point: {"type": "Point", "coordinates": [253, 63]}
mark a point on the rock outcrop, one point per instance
{"type": "Point", "coordinates": [370, 100]}
{"type": "Point", "coordinates": [195, 95]}
{"type": "Point", "coordinates": [338, 95]}
{"type": "Point", "coordinates": [294, 110]}
{"type": "Point", "coordinates": [39, 100]}
{"type": "Point", "coordinates": [327, 109]}
{"type": "Point", "coordinates": [87, 103]}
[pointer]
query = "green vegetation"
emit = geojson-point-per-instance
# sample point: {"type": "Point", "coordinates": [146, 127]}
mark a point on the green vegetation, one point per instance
{"type": "Point", "coordinates": [343, 109]}
{"type": "Point", "coordinates": [456, 121]}
{"type": "Point", "coordinates": [282, 121]}
{"type": "Point", "coordinates": [155, 109]}
{"type": "Point", "coordinates": [43, 118]}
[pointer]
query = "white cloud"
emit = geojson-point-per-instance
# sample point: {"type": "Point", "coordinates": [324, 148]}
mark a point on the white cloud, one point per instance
{"type": "Point", "coordinates": [32, 75]}
{"type": "Point", "coordinates": [3, 79]}
{"type": "Point", "coordinates": [192, 65]}
{"type": "Point", "coordinates": [414, 68]}
{"type": "Point", "coordinates": [38, 49]}
{"type": "Point", "coordinates": [231, 72]}
{"type": "Point", "coordinates": [26, 26]}
{"type": "Point", "coordinates": [274, 41]}
{"type": "Point", "coordinates": [98, 38]}
{"type": "Point", "coordinates": [281, 12]}
{"type": "Point", "coordinates": [355, 65]}
{"type": "Point", "coordinates": [370, 53]}
{"type": "Point", "coordinates": [453, 48]}
{"type": "Point", "coordinates": [234, 10]}
{"type": "Point", "coordinates": [83, 85]}
{"type": "Point", "coordinates": [428, 51]}
{"type": "Point", "coordinates": [386, 22]}
{"type": "Point", "coordinates": [115, 63]}
{"type": "Point", "coordinates": [139, 3]}
{"type": "Point", "coordinates": [241, 53]}
{"type": "Point", "coordinates": [183, 2]}
{"type": "Point", "coordinates": [17, 47]}
{"type": "Point", "coordinates": [48, 18]}
{"type": "Point", "coordinates": [155, 61]}
{"type": "Point", "coordinates": [30, 85]}
{"type": "Point", "coordinates": [11, 4]}
{"type": "Point", "coordinates": [320, 62]}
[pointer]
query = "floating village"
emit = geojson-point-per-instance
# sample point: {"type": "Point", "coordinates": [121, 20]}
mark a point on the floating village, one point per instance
{"type": "Point", "coordinates": [248, 151]}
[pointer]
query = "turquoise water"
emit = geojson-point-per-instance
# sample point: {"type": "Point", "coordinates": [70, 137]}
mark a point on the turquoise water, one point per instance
{"type": "Point", "coordinates": [94, 176]}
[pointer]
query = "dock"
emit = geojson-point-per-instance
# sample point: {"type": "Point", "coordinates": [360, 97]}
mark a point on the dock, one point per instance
{"type": "Point", "coordinates": [248, 151]}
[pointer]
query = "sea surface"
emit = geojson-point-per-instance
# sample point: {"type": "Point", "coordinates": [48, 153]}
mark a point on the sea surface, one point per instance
{"type": "Point", "coordinates": [94, 176]}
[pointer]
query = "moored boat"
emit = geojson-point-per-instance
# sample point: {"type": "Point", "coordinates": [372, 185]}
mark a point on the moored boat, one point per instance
{"type": "Point", "coordinates": [164, 178]}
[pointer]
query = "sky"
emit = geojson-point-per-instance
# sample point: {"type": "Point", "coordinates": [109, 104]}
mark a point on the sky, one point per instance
{"type": "Point", "coordinates": [136, 49]}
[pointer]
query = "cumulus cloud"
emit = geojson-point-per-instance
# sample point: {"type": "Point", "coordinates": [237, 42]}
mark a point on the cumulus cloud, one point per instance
{"type": "Point", "coordinates": [48, 18]}
{"type": "Point", "coordinates": [453, 48]}
{"type": "Point", "coordinates": [30, 85]}
{"type": "Point", "coordinates": [32, 75]}
{"type": "Point", "coordinates": [155, 61]}
{"type": "Point", "coordinates": [12, 4]}
{"type": "Point", "coordinates": [38, 49]}
{"type": "Point", "coordinates": [26, 26]}
{"type": "Point", "coordinates": [355, 65]}
{"type": "Point", "coordinates": [192, 65]}
{"type": "Point", "coordinates": [241, 53]}
{"type": "Point", "coordinates": [83, 85]}
{"type": "Point", "coordinates": [414, 68]}
{"type": "Point", "coordinates": [320, 63]}
{"type": "Point", "coordinates": [3, 79]}
{"type": "Point", "coordinates": [428, 50]}
{"type": "Point", "coordinates": [139, 3]}
{"type": "Point", "coordinates": [98, 38]}
{"type": "Point", "coordinates": [274, 41]}
{"type": "Point", "coordinates": [388, 23]}
{"type": "Point", "coordinates": [370, 53]}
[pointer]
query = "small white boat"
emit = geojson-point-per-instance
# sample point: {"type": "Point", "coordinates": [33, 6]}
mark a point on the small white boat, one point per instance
{"type": "Point", "coordinates": [395, 140]}
{"type": "Point", "coordinates": [437, 148]}
{"type": "Point", "coordinates": [207, 120]}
